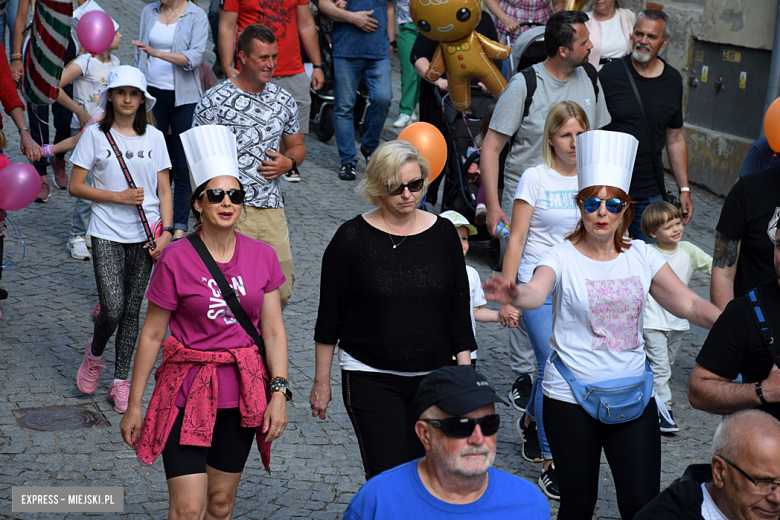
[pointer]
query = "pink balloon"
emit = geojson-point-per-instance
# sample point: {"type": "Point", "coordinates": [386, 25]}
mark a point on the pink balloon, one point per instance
{"type": "Point", "coordinates": [4, 161]}
{"type": "Point", "coordinates": [95, 31]}
{"type": "Point", "coordinates": [19, 186]}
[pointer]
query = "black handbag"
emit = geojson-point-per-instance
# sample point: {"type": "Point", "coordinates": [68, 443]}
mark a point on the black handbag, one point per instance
{"type": "Point", "coordinates": [668, 196]}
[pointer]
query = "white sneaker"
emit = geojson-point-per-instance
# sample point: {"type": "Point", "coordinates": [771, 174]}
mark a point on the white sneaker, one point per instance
{"type": "Point", "coordinates": [414, 116]}
{"type": "Point", "coordinates": [78, 248]}
{"type": "Point", "coordinates": [402, 121]}
{"type": "Point", "coordinates": [88, 240]}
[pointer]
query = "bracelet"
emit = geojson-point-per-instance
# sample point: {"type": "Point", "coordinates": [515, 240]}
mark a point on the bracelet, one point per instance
{"type": "Point", "coordinates": [168, 229]}
{"type": "Point", "coordinates": [16, 58]}
{"type": "Point", "coordinates": [686, 188]}
{"type": "Point", "coordinates": [24, 129]}
{"type": "Point", "coordinates": [394, 44]}
{"type": "Point", "coordinates": [279, 383]}
{"type": "Point", "coordinates": [760, 392]}
{"type": "Point", "coordinates": [16, 55]}
{"type": "Point", "coordinates": [48, 150]}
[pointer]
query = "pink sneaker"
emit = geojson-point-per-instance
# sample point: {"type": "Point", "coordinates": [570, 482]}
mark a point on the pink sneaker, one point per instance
{"type": "Point", "coordinates": [95, 312]}
{"type": "Point", "coordinates": [88, 376]}
{"type": "Point", "coordinates": [119, 392]}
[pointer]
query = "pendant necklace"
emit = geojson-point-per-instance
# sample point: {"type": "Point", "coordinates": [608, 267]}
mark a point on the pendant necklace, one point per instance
{"type": "Point", "coordinates": [390, 235]}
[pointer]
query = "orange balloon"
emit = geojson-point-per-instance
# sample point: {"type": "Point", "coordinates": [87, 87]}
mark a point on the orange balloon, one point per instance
{"type": "Point", "coordinates": [429, 142]}
{"type": "Point", "coordinates": [772, 125]}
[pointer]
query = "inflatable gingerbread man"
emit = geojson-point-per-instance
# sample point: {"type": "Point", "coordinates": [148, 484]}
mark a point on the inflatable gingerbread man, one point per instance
{"type": "Point", "coordinates": [462, 53]}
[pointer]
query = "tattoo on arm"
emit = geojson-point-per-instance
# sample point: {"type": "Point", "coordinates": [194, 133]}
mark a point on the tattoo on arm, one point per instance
{"type": "Point", "coordinates": [726, 251]}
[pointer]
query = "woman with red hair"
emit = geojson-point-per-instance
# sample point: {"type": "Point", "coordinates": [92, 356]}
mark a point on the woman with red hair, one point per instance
{"type": "Point", "coordinates": [597, 385]}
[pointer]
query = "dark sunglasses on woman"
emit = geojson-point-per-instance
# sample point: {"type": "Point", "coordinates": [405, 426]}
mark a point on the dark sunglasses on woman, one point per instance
{"type": "Point", "coordinates": [463, 427]}
{"type": "Point", "coordinates": [413, 186]}
{"type": "Point", "coordinates": [216, 195]}
{"type": "Point", "coordinates": [592, 204]}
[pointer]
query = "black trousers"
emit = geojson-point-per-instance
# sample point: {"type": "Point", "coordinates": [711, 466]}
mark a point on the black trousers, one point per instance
{"type": "Point", "coordinates": [633, 451]}
{"type": "Point", "coordinates": [381, 408]}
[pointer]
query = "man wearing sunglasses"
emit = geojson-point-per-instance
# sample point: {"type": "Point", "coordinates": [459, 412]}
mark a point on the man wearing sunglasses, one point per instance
{"type": "Point", "coordinates": [741, 483]}
{"type": "Point", "coordinates": [458, 425]}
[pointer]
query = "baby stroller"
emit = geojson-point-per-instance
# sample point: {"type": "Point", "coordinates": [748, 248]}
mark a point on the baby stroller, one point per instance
{"type": "Point", "coordinates": [322, 100]}
{"type": "Point", "coordinates": [461, 131]}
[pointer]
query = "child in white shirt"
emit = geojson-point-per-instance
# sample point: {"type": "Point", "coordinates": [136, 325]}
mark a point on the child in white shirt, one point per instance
{"type": "Point", "coordinates": [662, 330]}
{"type": "Point", "coordinates": [478, 313]}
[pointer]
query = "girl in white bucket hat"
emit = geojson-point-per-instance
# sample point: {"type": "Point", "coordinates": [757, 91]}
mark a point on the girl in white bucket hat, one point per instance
{"type": "Point", "coordinates": [131, 203]}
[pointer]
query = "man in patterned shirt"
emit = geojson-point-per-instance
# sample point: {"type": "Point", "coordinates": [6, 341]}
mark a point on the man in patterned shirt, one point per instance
{"type": "Point", "coordinates": [261, 115]}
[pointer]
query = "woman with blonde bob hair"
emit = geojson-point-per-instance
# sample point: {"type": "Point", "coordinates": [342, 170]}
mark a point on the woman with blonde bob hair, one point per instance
{"type": "Point", "coordinates": [599, 281]}
{"type": "Point", "coordinates": [395, 297]}
{"type": "Point", "coordinates": [544, 212]}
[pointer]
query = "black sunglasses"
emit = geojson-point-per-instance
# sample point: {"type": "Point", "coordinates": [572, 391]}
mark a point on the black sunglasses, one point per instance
{"type": "Point", "coordinates": [463, 427]}
{"type": "Point", "coordinates": [763, 487]}
{"type": "Point", "coordinates": [216, 195]}
{"type": "Point", "coordinates": [413, 186]}
{"type": "Point", "coordinates": [592, 204]}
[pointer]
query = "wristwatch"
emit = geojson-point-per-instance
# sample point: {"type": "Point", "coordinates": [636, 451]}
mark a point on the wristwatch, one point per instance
{"type": "Point", "coordinates": [168, 229]}
{"type": "Point", "coordinates": [287, 393]}
{"type": "Point", "coordinates": [294, 166]}
{"type": "Point", "coordinates": [24, 129]}
{"type": "Point", "coordinates": [316, 66]}
{"type": "Point", "coordinates": [685, 188]}
{"type": "Point", "coordinates": [394, 44]}
{"type": "Point", "coordinates": [760, 393]}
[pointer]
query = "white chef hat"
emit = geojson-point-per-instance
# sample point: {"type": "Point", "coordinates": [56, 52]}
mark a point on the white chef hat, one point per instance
{"type": "Point", "coordinates": [605, 159]}
{"type": "Point", "coordinates": [89, 5]}
{"type": "Point", "coordinates": [211, 152]}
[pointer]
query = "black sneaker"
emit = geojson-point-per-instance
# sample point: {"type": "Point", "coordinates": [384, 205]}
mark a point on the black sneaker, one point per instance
{"type": "Point", "coordinates": [549, 483]}
{"type": "Point", "coordinates": [347, 172]}
{"type": "Point", "coordinates": [366, 154]}
{"type": "Point", "coordinates": [532, 452]}
{"type": "Point", "coordinates": [520, 393]}
{"type": "Point", "coordinates": [666, 426]}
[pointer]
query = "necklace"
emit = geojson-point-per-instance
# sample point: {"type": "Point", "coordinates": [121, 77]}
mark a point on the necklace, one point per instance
{"type": "Point", "coordinates": [387, 230]}
{"type": "Point", "coordinates": [175, 13]}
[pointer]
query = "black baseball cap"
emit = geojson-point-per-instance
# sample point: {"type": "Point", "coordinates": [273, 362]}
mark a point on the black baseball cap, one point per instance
{"type": "Point", "coordinates": [456, 390]}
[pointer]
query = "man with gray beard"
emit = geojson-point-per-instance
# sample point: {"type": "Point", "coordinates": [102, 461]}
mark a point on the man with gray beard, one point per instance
{"type": "Point", "coordinates": [660, 88]}
{"type": "Point", "coordinates": [458, 425]}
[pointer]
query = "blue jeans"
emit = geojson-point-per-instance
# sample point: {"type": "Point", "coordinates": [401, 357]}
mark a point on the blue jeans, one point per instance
{"type": "Point", "coordinates": [82, 212]}
{"type": "Point", "coordinates": [180, 120]}
{"type": "Point", "coordinates": [376, 74]}
{"type": "Point", "coordinates": [538, 323]}
{"type": "Point", "coordinates": [635, 229]}
{"type": "Point", "coordinates": [8, 20]}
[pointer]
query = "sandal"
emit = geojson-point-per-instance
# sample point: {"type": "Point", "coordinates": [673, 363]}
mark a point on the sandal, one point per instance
{"type": "Point", "coordinates": [292, 176]}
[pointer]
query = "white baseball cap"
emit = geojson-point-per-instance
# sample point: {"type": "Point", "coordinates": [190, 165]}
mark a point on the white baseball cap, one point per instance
{"type": "Point", "coordinates": [459, 221]}
{"type": "Point", "coordinates": [126, 76]}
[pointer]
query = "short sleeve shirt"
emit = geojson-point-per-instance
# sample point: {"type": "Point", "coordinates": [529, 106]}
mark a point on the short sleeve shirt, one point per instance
{"type": "Point", "coordinates": [259, 121]}
{"type": "Point", "coordinates": [200, 318]}
{"type": "Point", "coordinates": [281, 16]}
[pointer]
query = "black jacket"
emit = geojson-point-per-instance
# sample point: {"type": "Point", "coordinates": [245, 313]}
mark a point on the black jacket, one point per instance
{"type": "Point", "coordinates": [682, 499]}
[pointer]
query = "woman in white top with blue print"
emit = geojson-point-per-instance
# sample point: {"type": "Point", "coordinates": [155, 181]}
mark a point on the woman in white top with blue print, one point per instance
{"type": "Point", "coordinates": [544, 213]}
{"type": "Point", "coordinates": [597, 385]}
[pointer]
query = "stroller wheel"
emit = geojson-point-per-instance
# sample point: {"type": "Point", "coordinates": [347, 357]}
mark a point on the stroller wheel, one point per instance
{"type": "Point", "coordinates": [497, 251]}
{"type": "Point", "coordinates": [324, 127]}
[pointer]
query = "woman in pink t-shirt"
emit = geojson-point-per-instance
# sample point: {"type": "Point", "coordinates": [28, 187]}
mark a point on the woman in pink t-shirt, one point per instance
{"type": "Point", "coordinates": [204, 470]}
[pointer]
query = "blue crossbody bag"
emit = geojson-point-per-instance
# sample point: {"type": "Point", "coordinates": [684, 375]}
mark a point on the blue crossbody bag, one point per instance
{"type": "Point", "coordinates": [613, 401]}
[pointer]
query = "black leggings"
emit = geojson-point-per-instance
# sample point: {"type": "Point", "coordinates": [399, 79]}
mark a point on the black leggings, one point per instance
{"type": "Point", "coordinates": [122, 272]}
{"type": "Point", "coordinates": [230, 447]}
{"type": "Point", "coordinates": [633, 450]}
{"type": "Point", "coordinates": [381, 408]}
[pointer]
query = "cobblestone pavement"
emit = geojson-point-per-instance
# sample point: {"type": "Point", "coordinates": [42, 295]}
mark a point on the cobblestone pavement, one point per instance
{"type": "Point", "coordinates": [316, 466]}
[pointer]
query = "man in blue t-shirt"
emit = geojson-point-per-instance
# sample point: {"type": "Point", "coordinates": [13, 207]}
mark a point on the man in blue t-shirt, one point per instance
{"type": "Point", "coordinates": [362, 47]}
{"type": "Point", "coordinates": [457, 427]}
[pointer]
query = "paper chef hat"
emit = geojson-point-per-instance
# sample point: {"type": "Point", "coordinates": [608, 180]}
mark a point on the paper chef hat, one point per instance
{"type": "Point", "coordinates": [211, 152]}
{"type": "Point", "coordinates": [605, 159]}
{"type": "Point", "coordinates": [89, 5]}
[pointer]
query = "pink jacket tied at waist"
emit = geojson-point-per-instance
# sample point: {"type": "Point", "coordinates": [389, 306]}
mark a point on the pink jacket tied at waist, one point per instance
{"type": "Point", "coordinates": [200, 412]}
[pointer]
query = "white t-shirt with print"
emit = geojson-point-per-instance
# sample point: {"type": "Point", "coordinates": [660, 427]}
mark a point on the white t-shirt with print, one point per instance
{"type": "Point", "coordinates": [144, 156]}
{"type": "Point", "coordinates": [477, 299]}
{"type": "Point", "coordinates": [555, 213]}
{"type": "Point", "coordinates": [259, 121]}
{"type": "Point", "coordinates": [87, 88]}
{"type": "Point", "coordinates": [597, 314]}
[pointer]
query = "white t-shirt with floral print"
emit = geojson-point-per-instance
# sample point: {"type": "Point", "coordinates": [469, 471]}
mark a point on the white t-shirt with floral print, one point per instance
{"type": "Point", "coordinates": [597, 314]}
{"type": "Point", "coordinates": [87, 88]}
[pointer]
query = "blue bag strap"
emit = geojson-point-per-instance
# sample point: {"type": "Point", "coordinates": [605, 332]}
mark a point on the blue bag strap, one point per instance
{"type": "Point", "coordinates": [567, 375]}
{"type": "Point", "coordinates": [764, 330]}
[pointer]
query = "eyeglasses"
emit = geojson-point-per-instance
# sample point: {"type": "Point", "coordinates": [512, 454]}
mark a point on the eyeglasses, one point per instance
{"type": "Point", "coordinates": [216, 195]}
{"type": "Point", "coordinates": [413, 186]}
{"type": "Point", "coordinates": [592, 204]}
{"type": "Point", "coordinates": [763, 487]}
{"type": "Point", "coordinates": [463, 427]}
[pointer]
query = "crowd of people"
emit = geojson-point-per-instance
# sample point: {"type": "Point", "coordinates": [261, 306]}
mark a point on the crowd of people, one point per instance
{"type": "Point", "coordinates": [179, 200]}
